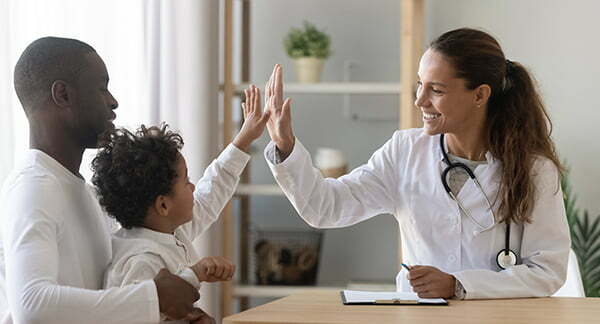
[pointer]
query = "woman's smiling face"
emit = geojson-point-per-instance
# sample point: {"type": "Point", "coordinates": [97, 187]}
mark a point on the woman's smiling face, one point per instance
{"type": "Point", "coordinates": [444, 99]}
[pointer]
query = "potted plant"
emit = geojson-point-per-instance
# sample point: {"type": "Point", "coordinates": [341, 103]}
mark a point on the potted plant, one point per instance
{"type": "Point", "coordinates": [308, 47]}
{"type": "Point", "coordinates": [585, 236]}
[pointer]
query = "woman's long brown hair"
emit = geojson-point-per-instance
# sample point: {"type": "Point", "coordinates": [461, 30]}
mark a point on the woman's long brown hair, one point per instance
{"type": "Point", "coordinates": [518, 126]}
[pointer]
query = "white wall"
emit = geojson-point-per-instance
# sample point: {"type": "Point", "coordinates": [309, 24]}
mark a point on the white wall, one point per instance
{"type": "Point", "coordinates": [558, 41]}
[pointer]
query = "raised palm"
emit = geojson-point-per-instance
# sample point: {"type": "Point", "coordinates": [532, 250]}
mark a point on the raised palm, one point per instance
{"type": "Point", "coordinates": [280, 120]}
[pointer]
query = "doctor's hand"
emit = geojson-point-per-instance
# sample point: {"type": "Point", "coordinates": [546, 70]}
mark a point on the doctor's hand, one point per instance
{"type": "Point", "coordinates": [254, 119]}
{"type": "Point", "coordinates": [280, 122]}
{"type": "Point", "coordinates": [430, 282]}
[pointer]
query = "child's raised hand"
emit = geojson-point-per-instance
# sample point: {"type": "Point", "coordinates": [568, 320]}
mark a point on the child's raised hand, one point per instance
{"type": "Point", "coordinates": [254, 119]}
{"type": "Point", "coordinates": [211, 269]}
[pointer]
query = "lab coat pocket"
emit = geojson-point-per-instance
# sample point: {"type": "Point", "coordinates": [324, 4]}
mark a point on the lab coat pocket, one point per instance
{"type": "Point", "coordinates": [428, 216]}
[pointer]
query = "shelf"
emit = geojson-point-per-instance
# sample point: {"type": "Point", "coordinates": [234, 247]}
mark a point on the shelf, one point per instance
{"type": "Point", "coordinates": [333, 88]}
{"type": "Point", "coordinates": [277, 291]}
{"type": "Point", "coordinates": [258, 190]}
{"type": "Point", "coordinates": [282, 291]}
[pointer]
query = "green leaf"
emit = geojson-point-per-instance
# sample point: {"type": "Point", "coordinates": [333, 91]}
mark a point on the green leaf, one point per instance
{"type": "Point", "coordinates": [307, 42]}
{"type": "Point", "coordinates": [585, 240]}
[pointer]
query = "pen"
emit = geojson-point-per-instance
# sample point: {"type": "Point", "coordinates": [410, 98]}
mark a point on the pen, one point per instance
{"type": "Point", "coordinates": [405, 266]}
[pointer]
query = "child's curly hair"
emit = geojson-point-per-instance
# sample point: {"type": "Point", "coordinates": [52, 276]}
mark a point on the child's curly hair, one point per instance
{"type": "Point", "coordinates": [131, 170]}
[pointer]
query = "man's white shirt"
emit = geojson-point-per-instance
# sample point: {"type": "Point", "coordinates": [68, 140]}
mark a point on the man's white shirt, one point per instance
{"type": "Point", "coordinates": [55, 248]}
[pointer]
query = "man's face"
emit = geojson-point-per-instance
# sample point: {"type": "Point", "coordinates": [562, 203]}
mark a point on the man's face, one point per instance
{"type": "Point", "coordinates": [95, 104]}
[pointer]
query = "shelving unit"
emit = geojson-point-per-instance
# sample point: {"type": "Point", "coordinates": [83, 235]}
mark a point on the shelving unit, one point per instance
{"type": "Point", "coordinates": [278, 291]}
{"type": "Point", "coordinates": [411, 35]}
{"type": "Point", "coordinates": [282, 291]}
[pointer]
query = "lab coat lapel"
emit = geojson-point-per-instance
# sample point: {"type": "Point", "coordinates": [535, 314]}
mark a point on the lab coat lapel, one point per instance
{"type": "Point", "coordinates": [452, 205]}
{"type": "Point", "coordinates": [472, 198]}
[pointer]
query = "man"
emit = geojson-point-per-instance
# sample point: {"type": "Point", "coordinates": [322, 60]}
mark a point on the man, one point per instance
{"type": "Point", "coordinates": [55, 237]}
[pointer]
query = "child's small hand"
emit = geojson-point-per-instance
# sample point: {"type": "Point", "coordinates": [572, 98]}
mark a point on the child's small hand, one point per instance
{"type": "Point", "coordinates": [254, 119]}
{"type": "Point", "coordinates": [211, 269]}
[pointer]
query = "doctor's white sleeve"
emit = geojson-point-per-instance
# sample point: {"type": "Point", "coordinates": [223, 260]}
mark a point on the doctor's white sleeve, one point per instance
{"type": "Point", "coordinates": [29, 237]}
{"type": "Point", "coordinates": [544, 251]}
{"type": "Point", "coordinates": [215, 189]}
{"type": "Point", "coordinates": [365, 192]}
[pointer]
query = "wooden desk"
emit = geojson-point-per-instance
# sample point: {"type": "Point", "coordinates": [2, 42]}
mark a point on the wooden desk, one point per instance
{"type": "Point", "coordinates": [326, 307]}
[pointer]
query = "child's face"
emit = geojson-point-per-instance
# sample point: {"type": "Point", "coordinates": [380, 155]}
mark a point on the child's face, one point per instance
{"type": "Point", "coordinates": [182, 195]}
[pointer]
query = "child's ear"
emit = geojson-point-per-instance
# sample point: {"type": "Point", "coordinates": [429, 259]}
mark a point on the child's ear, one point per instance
{"type": "Point", "coordinates": [162, 205]}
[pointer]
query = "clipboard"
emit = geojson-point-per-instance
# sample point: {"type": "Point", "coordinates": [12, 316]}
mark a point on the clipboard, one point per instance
{"type": "Point", "coordinates": [356, 297]}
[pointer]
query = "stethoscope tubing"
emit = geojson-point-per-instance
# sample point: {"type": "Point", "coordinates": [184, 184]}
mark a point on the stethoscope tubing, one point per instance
{"type": "Point", "coordinates": [506, 257]}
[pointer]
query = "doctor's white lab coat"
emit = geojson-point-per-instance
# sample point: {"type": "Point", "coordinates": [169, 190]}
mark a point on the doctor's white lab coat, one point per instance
{"type": "Point", "coordinates": [403, 178]}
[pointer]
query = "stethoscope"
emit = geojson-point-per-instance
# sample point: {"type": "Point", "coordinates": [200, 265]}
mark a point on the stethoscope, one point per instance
{"type": "Point", "coordinates": [506, 258]}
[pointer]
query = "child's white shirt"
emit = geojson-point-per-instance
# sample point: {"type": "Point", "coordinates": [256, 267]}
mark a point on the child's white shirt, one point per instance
{"type": "Point", "coordinates": [140, 253]}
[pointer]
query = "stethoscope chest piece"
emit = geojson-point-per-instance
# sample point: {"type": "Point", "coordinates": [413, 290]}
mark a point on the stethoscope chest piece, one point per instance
{"type": "Point", "coordinates": [506, 260]}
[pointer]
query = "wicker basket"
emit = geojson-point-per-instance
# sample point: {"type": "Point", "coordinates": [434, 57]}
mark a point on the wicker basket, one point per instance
{"type": "Point", "coordinates": [286, 257]}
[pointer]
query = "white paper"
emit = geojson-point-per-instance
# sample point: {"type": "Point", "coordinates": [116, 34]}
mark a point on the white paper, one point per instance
{"type": "Point", "coordinates": [402, 283]}
{"type": "Point", "coordinates": [356, 296]}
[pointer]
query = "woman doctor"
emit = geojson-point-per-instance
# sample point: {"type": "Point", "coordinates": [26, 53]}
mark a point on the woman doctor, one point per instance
{"type": "Point", "coordinates": [476, 191]}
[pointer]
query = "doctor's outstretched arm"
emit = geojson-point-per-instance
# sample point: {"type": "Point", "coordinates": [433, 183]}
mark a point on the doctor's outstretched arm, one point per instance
{"type": "Point", "coordinates": [324, 202]}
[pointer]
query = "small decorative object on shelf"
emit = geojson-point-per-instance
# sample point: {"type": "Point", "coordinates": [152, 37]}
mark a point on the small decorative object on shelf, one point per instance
{"type": "Point", "coordinates": [308, 47]}
{"type": "Point", "coordinates": [331, 162]}
{"type": "Point", "coordinates": [287, 257]}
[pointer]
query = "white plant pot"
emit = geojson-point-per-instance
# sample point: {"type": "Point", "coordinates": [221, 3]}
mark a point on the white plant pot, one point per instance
{"type": "Point", "coordinates": [308, 69]}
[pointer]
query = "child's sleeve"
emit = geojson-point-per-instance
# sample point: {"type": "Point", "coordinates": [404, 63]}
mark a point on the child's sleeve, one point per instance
{"type": "Point", "coordinates": [137, 269]}
{"type": "Point", "coordinates": [145, 267]}
{"type": "Point", "coordinates": [189, 275]}
{"type": "Point", "coordinates": [215, 189]}
{"type": "Point", "coordinates": [142, 267]}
